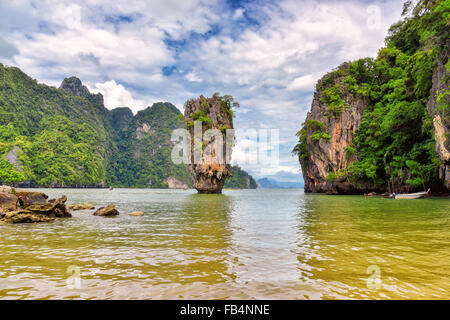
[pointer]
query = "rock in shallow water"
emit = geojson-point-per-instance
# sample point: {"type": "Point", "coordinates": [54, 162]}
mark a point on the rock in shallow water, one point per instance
{"type": "Point", "coordinates": [136, 214]}
{"type": "Point", "coordinates": [24, 216]}
{"type": "Point", "coordinates": [109, 210]}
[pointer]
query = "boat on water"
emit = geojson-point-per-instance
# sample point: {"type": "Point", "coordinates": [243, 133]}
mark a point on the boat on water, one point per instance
{"type": "Point", "coordinates": [416, 195]}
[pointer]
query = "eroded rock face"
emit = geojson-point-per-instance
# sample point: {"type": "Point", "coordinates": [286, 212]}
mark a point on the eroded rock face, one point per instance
{"type": "Point", "coordinates": [8, 202]}
{"type": "Point", "coordinates": [330, 155]}
{"type": "Point", "coordinates": [439, 111]}
{"type": "Point", "coordinates": [11, 157]}
{"type": "Point", "coordinates": [210, 172]}
{"type": "Point", "coordinates": [27, 198]}
{"type": "Point", "coordinates": [81, 206]}
{"type": "Point", "coordinates": [142, 130]}
{"type": "Point", "coordinates": [109, 210]}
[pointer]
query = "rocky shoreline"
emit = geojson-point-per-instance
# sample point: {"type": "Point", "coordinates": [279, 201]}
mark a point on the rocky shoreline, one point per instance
{"type": "Point", "coordinates": [23, 206]}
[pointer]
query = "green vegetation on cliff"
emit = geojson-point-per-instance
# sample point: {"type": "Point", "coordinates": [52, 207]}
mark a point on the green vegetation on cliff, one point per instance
{"type": "Point", "coordinates": [66, 137]}
{"type": "Point", "coordinates": [144, 149]}
{"type": "Point", "coordinates": [395, 141]}
{"type": "Point", "coordinates": [240, 179]}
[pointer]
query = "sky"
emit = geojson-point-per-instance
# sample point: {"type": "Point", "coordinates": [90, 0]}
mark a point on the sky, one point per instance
{"type": "Point", "coordinates": [267, 54]}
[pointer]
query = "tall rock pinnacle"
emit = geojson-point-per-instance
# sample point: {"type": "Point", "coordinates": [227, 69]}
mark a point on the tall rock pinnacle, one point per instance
{"type": "Point", "coordinates": [209, 122]}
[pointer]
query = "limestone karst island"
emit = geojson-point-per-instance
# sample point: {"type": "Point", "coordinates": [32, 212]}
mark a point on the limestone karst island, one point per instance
{"type": "Point", "coordinates": [225, 150]}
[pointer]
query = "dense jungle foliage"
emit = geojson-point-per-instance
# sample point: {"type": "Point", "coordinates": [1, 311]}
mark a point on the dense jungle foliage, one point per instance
{"type": "Point", "coordinates": [240, 180]}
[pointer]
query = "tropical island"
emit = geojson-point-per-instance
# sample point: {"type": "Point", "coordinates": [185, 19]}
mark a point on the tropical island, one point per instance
{"type": "Point", "coordinates": [65, 137]}
{"type": "Point", "coordinates": [383, 125]}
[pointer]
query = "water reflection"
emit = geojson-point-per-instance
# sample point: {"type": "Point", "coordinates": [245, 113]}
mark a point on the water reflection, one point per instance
{"type": "Point", "coordinates": [407, 241]}
{"type": "Point", "coordinates": [205, 237]}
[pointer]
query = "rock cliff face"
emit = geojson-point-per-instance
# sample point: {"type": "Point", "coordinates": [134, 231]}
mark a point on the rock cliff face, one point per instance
{"type": "Point", "coordinates": [327, 138]}
{"type": "Point", "coordinates": [212, 169]}
{"type": "Point", "coordinates": [144, 144]}
{"type": "Point", "coordinates": [74, 86]}
{"type": "Point", "coordinates": [101, 147]}
{"type": "Point", "coordinates": [438, 108]}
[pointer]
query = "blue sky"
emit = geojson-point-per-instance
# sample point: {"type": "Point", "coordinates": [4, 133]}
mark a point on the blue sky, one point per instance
{"type": "Point", "coordinates": [267, 54]}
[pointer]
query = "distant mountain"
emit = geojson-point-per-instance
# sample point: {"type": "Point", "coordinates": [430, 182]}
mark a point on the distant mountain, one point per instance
{"type": "Point", "coordinates": [266, 183]}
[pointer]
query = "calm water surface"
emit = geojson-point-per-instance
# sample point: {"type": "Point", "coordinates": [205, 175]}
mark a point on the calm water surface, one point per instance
{"type": "Point", "coordinates": [250, 244]}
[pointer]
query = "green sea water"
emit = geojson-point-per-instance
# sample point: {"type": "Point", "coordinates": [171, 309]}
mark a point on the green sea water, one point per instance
{"type": "Point", "coordinates": [246, 244]}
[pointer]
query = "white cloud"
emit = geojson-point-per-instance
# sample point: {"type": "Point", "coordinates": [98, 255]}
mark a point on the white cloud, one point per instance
{"type": "Point", "coordinates": [116, 95]}
{"type": "Point", "coordinates": [238, 14]}
{"type": "Point", "coordinates": [7, 50]}
{"type": "Point", "coordinates": [306, 82]}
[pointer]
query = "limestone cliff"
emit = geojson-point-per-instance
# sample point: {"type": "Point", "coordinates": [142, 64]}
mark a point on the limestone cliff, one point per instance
{"type": "Point", "coordinates": [211, 170]}
{"type": "Point", "coordinates": [327, 148]}
{"type": "Point", "coordinates": [327, 137]}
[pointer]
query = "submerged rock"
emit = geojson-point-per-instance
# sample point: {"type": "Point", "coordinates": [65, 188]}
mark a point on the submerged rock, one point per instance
{"type": "Point", "coordinates": [210, 160]}
{"type": "Point", "coordinates": [81, 206]}
{"type": "Point", "coordinates": [136, 214]}
{"type": "Point", "coordinates": [109, 210]}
